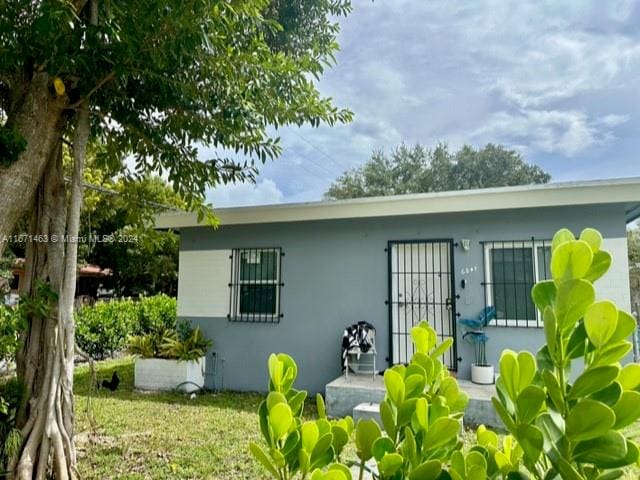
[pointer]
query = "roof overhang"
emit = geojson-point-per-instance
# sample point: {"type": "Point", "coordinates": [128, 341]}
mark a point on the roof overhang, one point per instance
{"type": "Point", "coordinates": [618, 191]}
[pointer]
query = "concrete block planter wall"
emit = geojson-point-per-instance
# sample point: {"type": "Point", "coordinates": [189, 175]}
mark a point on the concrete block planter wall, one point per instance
{"type": "Point", "coordinates": [163, 374]}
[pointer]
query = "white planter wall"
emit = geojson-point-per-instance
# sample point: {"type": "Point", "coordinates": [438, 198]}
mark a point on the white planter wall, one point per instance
{"type": "Point", "coordinates": [163, 374]}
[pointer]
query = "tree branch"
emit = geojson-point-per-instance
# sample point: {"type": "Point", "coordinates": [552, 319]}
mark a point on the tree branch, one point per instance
{"type": "Point", "coordinates": [98, 86]}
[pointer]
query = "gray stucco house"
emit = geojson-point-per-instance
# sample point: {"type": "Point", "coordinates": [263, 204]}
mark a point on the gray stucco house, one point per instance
{"type": "Point", "coordinates": [290, 278]}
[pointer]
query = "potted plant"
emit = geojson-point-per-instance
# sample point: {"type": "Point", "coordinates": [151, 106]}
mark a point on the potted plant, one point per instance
{"type": "Point", "coordinates": [482, 372]}
{"type": "Point", "coordinates": [170, 359]}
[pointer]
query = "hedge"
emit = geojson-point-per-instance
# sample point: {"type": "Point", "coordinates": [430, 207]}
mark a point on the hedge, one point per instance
{"type": "Point", "coordinates": [104, 328]}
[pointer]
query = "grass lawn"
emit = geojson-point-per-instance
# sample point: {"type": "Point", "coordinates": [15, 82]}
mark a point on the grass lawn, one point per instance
{"type": "Point", "coordinates": [141, 435]}
{"type": "Point", "coordinates": [166, 435]}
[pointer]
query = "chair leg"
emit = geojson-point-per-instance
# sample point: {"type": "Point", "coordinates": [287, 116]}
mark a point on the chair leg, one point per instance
{"type": "Point", "coordinates": [373, 375]}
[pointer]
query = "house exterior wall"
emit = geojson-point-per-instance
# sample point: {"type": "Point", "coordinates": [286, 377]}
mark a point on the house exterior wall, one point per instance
{"type": "Point", "coordinates": [335, 273]}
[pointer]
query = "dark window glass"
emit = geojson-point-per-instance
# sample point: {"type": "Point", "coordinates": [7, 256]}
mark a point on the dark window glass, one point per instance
{"type": "Point", "coordinates": [512, 279]}
{"type": "Point", "coordinates": [257, 299]}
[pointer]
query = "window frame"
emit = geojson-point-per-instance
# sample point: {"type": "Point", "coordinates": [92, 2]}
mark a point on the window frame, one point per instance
{"type": "Point", "coordinates": [236, 284]}
{"type": "Point", "coordinates": [530, 244]}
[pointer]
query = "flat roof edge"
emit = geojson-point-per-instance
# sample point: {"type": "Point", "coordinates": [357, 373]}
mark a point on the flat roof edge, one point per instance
{"type": "Point", "coordinates": [529, 196]}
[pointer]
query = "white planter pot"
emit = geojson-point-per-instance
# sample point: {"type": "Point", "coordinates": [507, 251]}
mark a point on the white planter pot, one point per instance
{"type": "Point", "coordinates": [163, 374]}
{"type": "Point", "coordinates": [482, 374]}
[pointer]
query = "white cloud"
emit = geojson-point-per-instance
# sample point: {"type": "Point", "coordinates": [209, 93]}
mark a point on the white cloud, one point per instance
{"type": "Point", "coordinates": [556, 80]}
{"type": "Point", "coordinates": [567, 132]}
{"type": "Point", "coordinates": [241, 194]}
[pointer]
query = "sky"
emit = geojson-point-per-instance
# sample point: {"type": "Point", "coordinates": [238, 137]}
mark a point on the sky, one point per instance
{"type": "Point", "coordinates": [557, 81]}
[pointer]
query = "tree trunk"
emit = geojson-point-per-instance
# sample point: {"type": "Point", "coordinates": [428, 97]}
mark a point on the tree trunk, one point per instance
{"type": "Point", "coordinates": [45, 365]}
{"type": "Point", "coordinates": [38, 116]}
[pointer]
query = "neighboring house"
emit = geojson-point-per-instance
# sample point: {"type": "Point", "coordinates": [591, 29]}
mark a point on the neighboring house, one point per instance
{"type": "Point", "coordinates": [89, 281]}
{"type": "Point", "coordinates": [290, 278]}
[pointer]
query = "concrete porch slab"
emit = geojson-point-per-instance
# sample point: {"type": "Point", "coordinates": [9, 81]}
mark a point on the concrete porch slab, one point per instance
{"type": "Point", "coordinates": [342, 395]}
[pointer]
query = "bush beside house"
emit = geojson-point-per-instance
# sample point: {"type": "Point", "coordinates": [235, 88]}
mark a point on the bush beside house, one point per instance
{"type": "Point", "coordinates": [105, 328]}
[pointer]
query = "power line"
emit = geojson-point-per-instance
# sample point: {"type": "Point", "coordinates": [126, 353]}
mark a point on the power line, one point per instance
{"type": "Point", "coordinates": [321, 151]}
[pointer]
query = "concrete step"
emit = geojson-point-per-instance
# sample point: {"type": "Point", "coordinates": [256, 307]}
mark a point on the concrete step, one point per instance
{"type": "Point", "coordinates": [365, 411]}
{"type": "Point", "coordinates": [343, 396]}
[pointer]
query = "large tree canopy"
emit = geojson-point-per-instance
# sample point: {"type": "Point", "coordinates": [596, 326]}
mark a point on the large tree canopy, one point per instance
{"type": "Point", "coordinates": [149, 81]}
{"type": "Point", "coordinates": [162, 76]}
{"type": "Point", "coordinates": [118, 219]}
{"type": "Point", "coordinates": [418, 169]}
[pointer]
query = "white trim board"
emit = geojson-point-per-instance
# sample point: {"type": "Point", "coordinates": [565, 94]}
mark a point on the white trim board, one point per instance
{"type": "Point", "coordinates": [625, 191]}
{"type": "Point", "coordinates": [203, 283]}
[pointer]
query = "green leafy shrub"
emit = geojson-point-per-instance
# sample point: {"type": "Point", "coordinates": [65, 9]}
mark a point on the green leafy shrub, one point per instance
{"type": "Point", "coordinates": [156, 313]}
{"type": "Point", "coordinates": [11, 323]}
{"type": "Point", "coordinates": [297, 447]}
{"type": "Point", "coordinates": [183, 343]}
{"type": "Point", "coordinates": [573, 430]}
{"type": "Point", "coordinates": [421, 418]}
{"type": "Point", "coordinates": [103, 329]}
{"type": "Point", "coordinates": [191, 345]}
{"type": "Point", "coordinates": [10, 439]}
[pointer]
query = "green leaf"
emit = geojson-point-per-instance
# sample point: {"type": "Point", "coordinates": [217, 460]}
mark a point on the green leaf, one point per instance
{"type": "Point", "coordinates": [571, 260]}
{"type": "Point", "coordinates": [414, 385]}
{"type": "Point", "coordinates": [405, 412]}
{"type": "Point", "coordinates": [627, 409]}
{"type": "Point", "coordinates": [599, 265]}
{"type": "Point", "coordinates": [530, 402]}
{"type": "Point", "coordinates": [440, 432]}
{"type": "Point", "coordinates": [264, 460]}
{"type": "Point", "coordinates": [263, 414]}
{"type": "Point", "coordinates": [342, 469]}
{"type": "Point", "coordinates": [296, 401]}
{"type": "Point", "coordinates": [442, 348]}
{"type": "Point", "coordinates": [381, 447]}
{"type": "Point", "coordinates": [578, 342]}
{"type": "Point", "coordinates": [550, 328]}
{"type": "Point", "coordinates": [592, 237]}
{"type": "Point", "coordinates": [607, 449]}
{"type": "Point", "coordinates": [388, 417]}
{"type": "Point", "coordinates": [589, 419]}
{"type": "Point", "coordinates": [320, 454]}
{"type": "Point", "coordinates": [322, 411]}
{"type": "Point", "coordinates": [304, 460]}
{"type": "Point", "coordinates": [274, 398]}
{"type": "Point", "coordinates": [486, 437]}
{"type": "Point", "coordinates": [504, 415]}
{"type": "Point", "coordinates": [367, 432]}
{"type": "Point", "coordinates": [625, 327]}
{"type": "Point", "coordinates": [543, 294]}
{"type": "Point", "coordinates": [572, 300]}
{"type": "Point", "coordinates": [530, 439]}
{"type": "Point", "coordinates": [280, 418]}
{"type": "Point", "coordinates": [609, 395]}
{"type": "Point", "coordinates": [561, 236]}
{"type": "Point", "coordinates": [600, 321]}
{"type": "Point", "coordinates": [395, 386]}
{"type": "Point", "coordinates": [310, 435]}
{"type": "Point", "coordinates": [421, 414]}
{"type": "Point", "coordinates": [390, 464]}
{"type": "Point", "coordinates": [630, 376]}
{"type": "Point", "coordinates": [341, 438]}
{"type": "Point", "coordinates": [429, 470]}
{"type": "Point", "coordinates": [424, 338]}
{"type": "Point", "coordinates": [612, 353]}
{"type": "Point", "coordinates": [527, 368]}
{"type": "Point", "coordinates": [510, 373]}
{"type": "Point", "coordinates": [593, 380]}
{"type": "Point", "coordinates": [275, 371]}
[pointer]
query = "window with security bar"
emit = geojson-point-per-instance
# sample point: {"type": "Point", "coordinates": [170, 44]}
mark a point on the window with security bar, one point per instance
{"type": "Point", "coordinates": [255, 285]}
{"type": "Point", "coordinates": [511, 270]}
